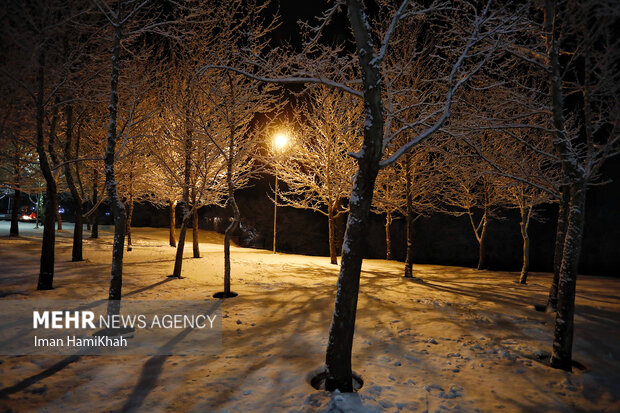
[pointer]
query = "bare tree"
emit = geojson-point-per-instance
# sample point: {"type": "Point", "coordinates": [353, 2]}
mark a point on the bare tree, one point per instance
{"type": "Point", "coordinates": [190, 162]}
{"type": "Point", "coordinates": [165, 194]}
{"type": "Point", "coordinates": [595, 58]}
{"type": "Point", "coordinates": [537, 173]}
{"type": "Point", "coordinates": [390, 198]}
{"type": "Point", "coordinates": [231, 102]}
{"type": "Point", "coordinates": [338, 357]}
{"type": "Point", "coordinates": [38, 32]}
{"type": "Point", "coordinates": [71, 151]}
{"type": "Point", "coordinates": [192, 173]}
{"type": "Point", "coordinates": [519, 161]}
{"type": "Point", "coordinates": [317, 169]}
{"type": "Point", "coordinates": [472, 189]}
{"type": "Point", "coordinates": [409, 188]}
{"type": "Point", "coordinates": [526, 198]}
{"type": "Point", "coordinates": [83, 159]}
{"type": "Point", "coordinates": [582, 127]}
{"type": "Point", "coordinates": [138, 119]}
{"type": "Point", "coordinates": [469, 50]}
{"type": "Point", "coordinates": [136, 178]}
{"type": "Point", "coordinates": [18, 172]}
{"type": "Point", "coordinates": [225, 120]}
{"type": "Point", "coordinates": [128, 21]}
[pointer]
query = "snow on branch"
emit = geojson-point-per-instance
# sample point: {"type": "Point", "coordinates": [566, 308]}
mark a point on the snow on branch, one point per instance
{"type": "Point", "coordinates": [454, 81]}
{"type": "Point", "coordinates": [428, 132]}
{"type": "Point", "coordinates": [285, 80]}
{"type": "Point", "coordinates": [494, 165]}
{"type": "Point", "coordinates": [324, 20]}
{"type": "Point", "coordinates": [389, 33]}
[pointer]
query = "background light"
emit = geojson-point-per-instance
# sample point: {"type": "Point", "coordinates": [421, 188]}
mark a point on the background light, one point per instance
{"type": "Point", "coordinates": [280, 140]}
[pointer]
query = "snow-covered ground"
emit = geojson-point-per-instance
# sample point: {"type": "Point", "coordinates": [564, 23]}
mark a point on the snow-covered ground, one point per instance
{"type": "Point", "coordinates": [456, 340]}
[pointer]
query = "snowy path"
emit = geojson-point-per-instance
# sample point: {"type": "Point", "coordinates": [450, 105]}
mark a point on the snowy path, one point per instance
{"type": "Point", "coordinates": [457, 339]}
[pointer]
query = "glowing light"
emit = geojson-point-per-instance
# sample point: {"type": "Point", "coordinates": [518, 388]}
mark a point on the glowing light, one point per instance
{"type": "Point", "coordinates": [280, 140]}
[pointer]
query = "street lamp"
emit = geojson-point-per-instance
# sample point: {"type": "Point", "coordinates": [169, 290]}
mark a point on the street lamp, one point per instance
{"type": "Point", "coordinates": [280, 141]}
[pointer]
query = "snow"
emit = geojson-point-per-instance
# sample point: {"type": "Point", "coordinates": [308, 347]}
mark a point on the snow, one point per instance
{"type": "Point", "coordinates": [354, 197]}
{"type": "Point", "coordinates": [457, 339]}
{"type": "Point", "coordinates": [368, 119]}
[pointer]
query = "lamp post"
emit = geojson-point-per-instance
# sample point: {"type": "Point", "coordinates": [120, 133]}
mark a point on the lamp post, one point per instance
{"type": "Point", "coordinates": [280, 141]}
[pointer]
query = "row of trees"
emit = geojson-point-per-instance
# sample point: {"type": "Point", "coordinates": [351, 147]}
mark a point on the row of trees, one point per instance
{"type": "Point", "coordinates": [172, 136]}
{"type": "Point", "coordinates": [458, 107]}
{"type": "Point", "coordinates": [544, 75]}
{"type": "Point", "coordinates": [439, 176]}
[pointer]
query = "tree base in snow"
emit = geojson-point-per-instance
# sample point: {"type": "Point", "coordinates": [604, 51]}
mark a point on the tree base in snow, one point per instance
{"type": "Point", "coordinates": [544, 308]}
{"type": "Point", "coordinates": [175, 277]}
{"type": "Point", "coordinates": [412, 278]}
{"type": "Point", "coordinates": [44, 288]}
{"type": "Point", "coordinates": [574, 364]}
{"type": "Point", "coordinates": [317, 378]}
{"type": "Point", "coordinates": [223, 294]}
{"type": "Point", "coordinates": [544, 357]}
{"type": "Point", "coordinates": [577, 365]}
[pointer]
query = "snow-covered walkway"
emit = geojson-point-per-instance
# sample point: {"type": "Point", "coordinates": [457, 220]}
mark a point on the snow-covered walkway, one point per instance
{"type": "Point", "coordinates": [457, 339]}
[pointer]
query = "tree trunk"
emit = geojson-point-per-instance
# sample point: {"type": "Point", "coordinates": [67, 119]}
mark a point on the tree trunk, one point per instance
{"type": "Point", "coordinates": [552, 302]}
{"type": "Point", "coordinates": [76, 253]}
{"type": "Point", "coordinates": [230, 163]}
{"type": "Point", "coordinates": [526, 260]}
{"type": "Point", "coordinates": [46, 270]}
{"type": "Point", "coordinates": [173, 207]}
{"type": "Point", "coordinates": [338, 355]}
{"type": "Point", "coordinates": [195, 241]}
{"type": "Point", "coordinates": [46, 273]}
{"type": "Point", "coordinates": [525, 218]}
{"type": "Point", "coordinates": [409, 258]}
{"type": "Point", "coordinates": [178, 261]}
{"type": "Point", "coordinates": [340, 343]}
{"type": "Point", "coordinates": [388, 241]}
{"type": "Point", "coordinates": [38, 208]}
{"type": "Point", "coordinates": [333, 252]}
{"type": "Point", "coordinates": [275, 212]}
{"type": "Point", "coordinates": [78, 234]}
{"type": "Point", "coordinates": [561, 356]}
{"type": "Point", "coordinates": [482, 260]}
{"type": "Point", "coordinates": [17, 197]}
{"type": "Point", "coordinates": [89, 219]}
{"type": "Point", "coordinates": [130, 206]}
{"type": "Point", "coordinates": [94, 231]}
{"type": "Point", "coordinates": [568, 164]}
{"type": "Point", "coordinates": [128, 225]}
{"type": "Point", "coordinates": [227, 235]}
{"type": "Point", "coordinates": [118, 209]}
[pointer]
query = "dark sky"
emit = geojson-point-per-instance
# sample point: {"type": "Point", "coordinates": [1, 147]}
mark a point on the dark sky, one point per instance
{"type": "Point", "coordinates": [291, 11]}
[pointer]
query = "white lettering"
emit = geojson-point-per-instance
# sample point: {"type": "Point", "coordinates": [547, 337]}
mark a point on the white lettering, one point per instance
{"type": "Point", "coordinates": [57, 319]}
{"type": "Point", "coordinates": [40, 319]}
{"type": "Point", "coordinates": [75, 319]}
{"type": "Point", "coordinates": [87, 319]}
